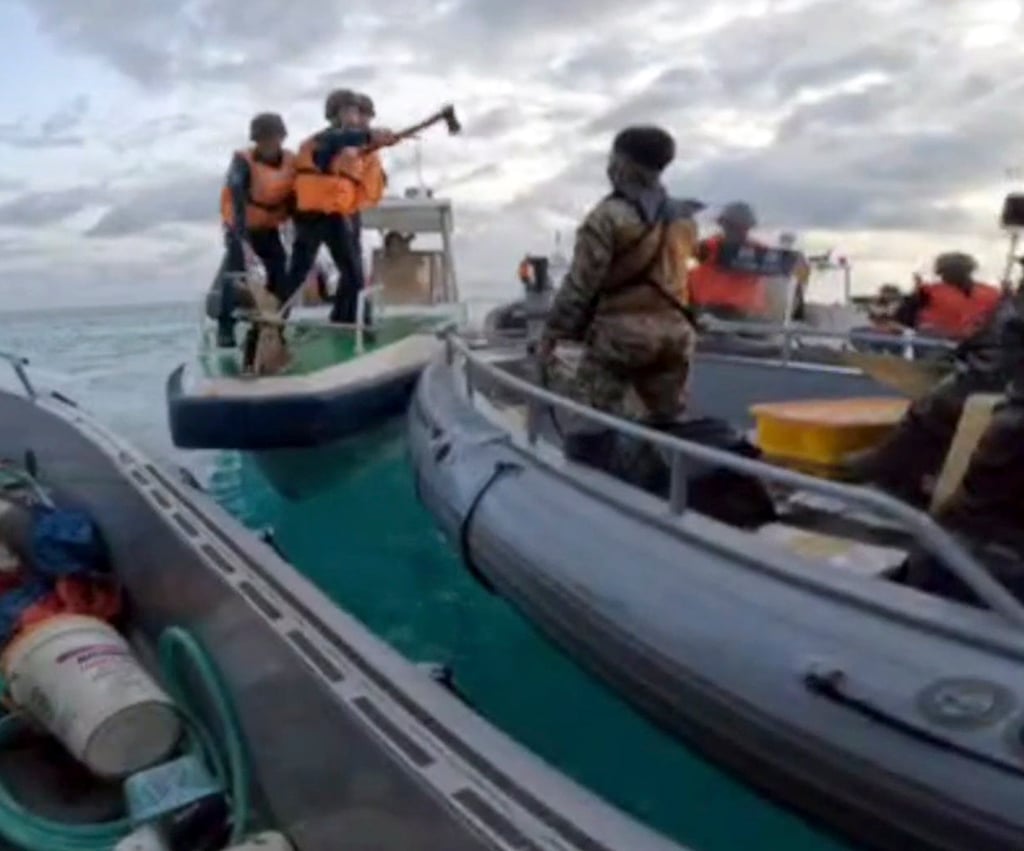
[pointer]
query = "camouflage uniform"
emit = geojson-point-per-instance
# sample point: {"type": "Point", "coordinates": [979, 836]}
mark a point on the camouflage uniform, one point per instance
{"type": "Point", "coordinates": [635, 338]}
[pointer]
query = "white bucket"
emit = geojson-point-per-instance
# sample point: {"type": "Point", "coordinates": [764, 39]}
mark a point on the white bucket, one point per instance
{"type": "Point", "coordinates": [78, 678]}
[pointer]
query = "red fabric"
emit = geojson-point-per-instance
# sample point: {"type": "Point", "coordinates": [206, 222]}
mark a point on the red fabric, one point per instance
{"type": "Point", "coordinates": [74, 595]}
{"type": "Point", "coordinates": [951, 312]}
{"type": "Point", "coordinates": [711, 286]}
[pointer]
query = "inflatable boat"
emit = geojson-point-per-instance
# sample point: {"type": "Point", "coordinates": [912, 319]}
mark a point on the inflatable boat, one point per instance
{"type": "Point", "coordinates": [349, 744]}
{"type": "Point", "coordinates": [334, 380]}
{"type": "Point", "coordinates": [823, 334]}
{"type": "Point", "coordinates": [787, 647]}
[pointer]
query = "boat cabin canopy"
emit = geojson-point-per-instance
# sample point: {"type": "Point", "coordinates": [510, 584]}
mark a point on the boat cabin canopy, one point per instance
{"type": "Point", "coordinates": [407, 275]}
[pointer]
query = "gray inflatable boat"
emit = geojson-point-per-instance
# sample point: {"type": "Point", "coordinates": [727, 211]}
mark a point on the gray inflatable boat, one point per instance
{"type": "Point", "coordinates": [890, 715]}
{"type": "Point", "coordinates": [351, 746]}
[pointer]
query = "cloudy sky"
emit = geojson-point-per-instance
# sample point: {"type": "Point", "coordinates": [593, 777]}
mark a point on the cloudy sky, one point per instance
{"type": "Point", "coordinates": [883, 127]}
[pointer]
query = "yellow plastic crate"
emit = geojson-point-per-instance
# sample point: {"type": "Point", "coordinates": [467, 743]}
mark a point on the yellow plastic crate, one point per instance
{"type": "Point", "coordinates": [821, 432]}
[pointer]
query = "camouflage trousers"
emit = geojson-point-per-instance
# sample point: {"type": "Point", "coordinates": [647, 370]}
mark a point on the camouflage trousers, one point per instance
{"type": "Point", "coordinates": [635, 367]}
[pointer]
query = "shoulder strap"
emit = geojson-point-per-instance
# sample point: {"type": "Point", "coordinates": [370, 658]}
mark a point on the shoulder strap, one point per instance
{"type": "Point", "coordinates": [636, 265]}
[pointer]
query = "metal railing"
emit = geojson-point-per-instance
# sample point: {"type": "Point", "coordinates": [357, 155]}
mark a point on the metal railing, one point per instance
{"type": "Point", "coordinates": [909, 341]}
{"type": "Point", "coordinates": [935, 540]}
{"type": "Point", "coordinates": [18, 364]}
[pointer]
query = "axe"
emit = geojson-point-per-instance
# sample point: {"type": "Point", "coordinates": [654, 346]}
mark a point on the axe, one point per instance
{"type": "Point", "coordinates": [445, 114]}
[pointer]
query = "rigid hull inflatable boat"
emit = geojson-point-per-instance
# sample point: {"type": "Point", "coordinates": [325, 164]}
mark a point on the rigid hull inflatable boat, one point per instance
{"type": "Point", "coordinates": [890, 715]}
{"type": "Point", "coordinates": [338, 380]}
{"type": "Point", "coordinates": [350, 745]}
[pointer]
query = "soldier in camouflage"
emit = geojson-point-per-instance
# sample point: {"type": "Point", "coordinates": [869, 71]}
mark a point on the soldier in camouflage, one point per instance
{"type": "Point", "coordinates": [625, 295]}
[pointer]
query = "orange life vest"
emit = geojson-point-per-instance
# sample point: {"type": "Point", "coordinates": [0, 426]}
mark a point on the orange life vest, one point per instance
{"type": "Point", "coordinates": [373, 182]}
{"type": "Point", "coordinates": [270, 192]}
{"type": "Point", "coordinates": [951, 312]}
{"type": "Point", "coordinates": [713, 286]}
{"type": "Point", "coordinates": [337, 191]}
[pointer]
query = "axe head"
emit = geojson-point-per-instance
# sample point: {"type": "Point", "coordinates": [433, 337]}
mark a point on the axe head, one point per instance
{"type": "Point", "coordinates": [450, 119]}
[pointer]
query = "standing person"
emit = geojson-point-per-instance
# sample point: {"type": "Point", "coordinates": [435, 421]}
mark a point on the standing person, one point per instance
{"type": "Point", "coordinates": [373, 182]}
{"type": "Point", "coordinates": [255, 202]}
{"type": "Point", "coordinates": [624, 294]}
{"type": "Point", "coordinates": [329, 169]}
{"type": "Point", "coordinates": [721, 284]}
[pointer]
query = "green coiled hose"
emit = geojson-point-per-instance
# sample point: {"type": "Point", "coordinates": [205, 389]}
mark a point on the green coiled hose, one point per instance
{"type": "Point", "coordinates": [179, 651]}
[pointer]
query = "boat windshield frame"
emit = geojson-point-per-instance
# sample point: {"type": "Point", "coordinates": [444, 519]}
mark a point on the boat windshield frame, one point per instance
{"type": "Point", "coordinates": [420, 215]}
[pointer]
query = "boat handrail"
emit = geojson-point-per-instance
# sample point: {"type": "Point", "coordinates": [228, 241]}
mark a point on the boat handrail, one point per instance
{"type": "Point", "coordinates": [18, 364]}
{"type": "Point", "coordinates": [909, 339]}
{"type": "Point", "coordinates": [364, 298]}
{"type": "Point", "coordinates": [939, 543]}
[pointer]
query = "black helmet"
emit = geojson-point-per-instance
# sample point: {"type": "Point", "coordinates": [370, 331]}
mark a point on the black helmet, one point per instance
{"type": "Point", "coordinates": [955, 265]}
{"type": "Point", "coordinates": [365, 103]}
{"type": "Point", "coordinates": [267, 125]}
{"type": "Point", "coordinates": [337, 101]}
{"type": "Point", "coordinates": [647, 146]}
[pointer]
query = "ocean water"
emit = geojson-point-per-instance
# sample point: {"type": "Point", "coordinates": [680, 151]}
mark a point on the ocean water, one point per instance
{"type": "Point", "coordinates": [373, 549]}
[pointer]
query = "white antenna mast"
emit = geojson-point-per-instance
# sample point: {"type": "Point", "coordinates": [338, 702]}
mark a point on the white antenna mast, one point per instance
{"type": "Point", "coordinates": [419, 166]}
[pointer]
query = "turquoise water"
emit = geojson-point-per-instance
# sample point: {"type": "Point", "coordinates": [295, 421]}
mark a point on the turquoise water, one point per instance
{"type": "Point", "coordinates": [371, 547]}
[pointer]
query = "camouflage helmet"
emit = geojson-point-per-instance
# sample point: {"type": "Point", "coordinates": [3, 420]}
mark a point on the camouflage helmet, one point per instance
{"type": "Point", "coordinates": [739, 214]}
{"type": "Point", "coordinates": [267, 125]}
{"type": "Point", "coordinates": [365, 104]}
{"type": "Point", "coordinates": [955, 264]}
{"type": "Point", "coordinates": [338, 100]}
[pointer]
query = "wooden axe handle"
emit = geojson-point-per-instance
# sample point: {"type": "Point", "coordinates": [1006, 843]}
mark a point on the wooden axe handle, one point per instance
{"type": "Point", "coordinates": [422, 125]}
{"type": "Point", "coordinates": [401, 135]}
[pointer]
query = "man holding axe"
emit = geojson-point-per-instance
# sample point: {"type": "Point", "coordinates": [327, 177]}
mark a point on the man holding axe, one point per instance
{"type": "Point", "coordinates": [333, 184]}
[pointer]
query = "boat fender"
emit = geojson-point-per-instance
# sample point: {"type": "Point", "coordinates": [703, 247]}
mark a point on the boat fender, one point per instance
{"type": "Point", "coordinates": [500, 469]}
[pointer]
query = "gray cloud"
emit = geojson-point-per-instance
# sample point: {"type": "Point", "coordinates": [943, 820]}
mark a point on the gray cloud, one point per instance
{"type": "Point", "coordinates": [191, 199]}
{"type": "Point", "coordinates": [57, 130]}
{"type": "Point", "coordinates": [157, 43]}
{"type": "Point", "coordinates": [33, 209]}
{"type": "Point", "coordinates": [825, 114]}
{"type": "Point", "coordinates": [68, 117]}
{"type": "Point", "coordinates": [494, 122]}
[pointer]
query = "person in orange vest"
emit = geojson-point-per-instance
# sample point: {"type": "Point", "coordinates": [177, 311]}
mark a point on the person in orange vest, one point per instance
{"type": "Point", "coordinates": [374, 178]}
{"type": "Point", "coordinates": [255, 201]}
{"type": "Point", "coordinates": [719, 284]}
{"type": "Point", "coordinates": [955, 305]}
{"type": "Point", "coordinates": [329, 168]}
